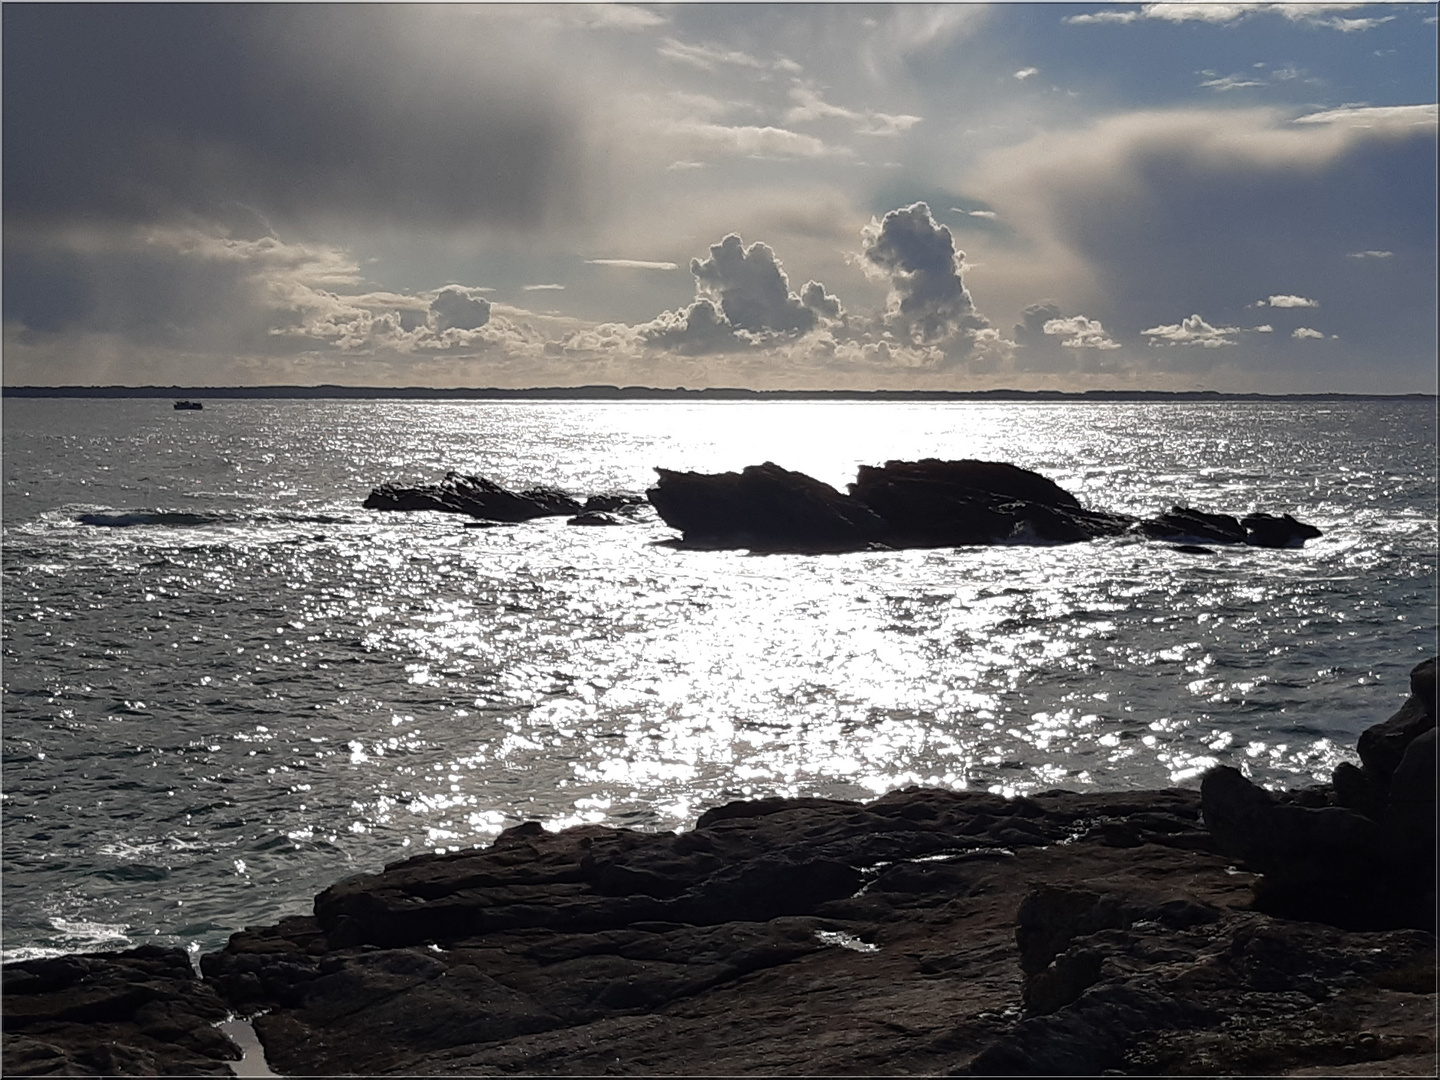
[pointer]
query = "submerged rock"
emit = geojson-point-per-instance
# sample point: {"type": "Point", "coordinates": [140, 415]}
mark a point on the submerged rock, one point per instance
{"type": "Point", "coordinates": [475, 496]}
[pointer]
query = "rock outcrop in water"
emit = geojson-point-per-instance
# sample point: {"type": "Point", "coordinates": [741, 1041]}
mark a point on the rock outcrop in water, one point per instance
{"type": "Point", "coordinates": [475, 496]}
{"type": "Point", "coordinates": [902, 504]}
{"type": "Point", "coordinates": [1365, 857]}
{"type": "Point", "coordinates": [926, 932]}
{"type": "Point", "coordinates": [921, 504]}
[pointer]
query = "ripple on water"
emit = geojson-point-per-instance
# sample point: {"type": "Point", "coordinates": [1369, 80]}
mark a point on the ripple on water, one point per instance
{"type": "Point", "coordinates": [205, 724]}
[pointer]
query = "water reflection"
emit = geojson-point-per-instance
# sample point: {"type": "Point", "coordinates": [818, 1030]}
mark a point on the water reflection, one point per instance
{"type": "Point", "coordinates": [304, 689]}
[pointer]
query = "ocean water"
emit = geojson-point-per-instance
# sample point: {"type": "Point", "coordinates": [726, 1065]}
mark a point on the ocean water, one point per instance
{"type": "Point", "coordinates": [227, 685]}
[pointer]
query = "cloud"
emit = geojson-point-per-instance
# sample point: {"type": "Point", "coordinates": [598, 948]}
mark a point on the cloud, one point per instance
{"type": "Point", "coordinates": [1370, 255]}
{"type": "Point", "coordinates": [987, 214]}
{"type": "Point", "coordinates": [417, 117]}
{"type": "Point", "coordinates": [1192, 331]}
{"type": "Point", "coordinates": [543, 288]}
{"type": "Point", "coordinates": [634, 264]}
{"type": "Point", "coordinates": [1230, 82]}
{"type": "Point", "coordinates": [1311, 14]}
{"type": "Point", "coordinates": [1376, 116]}
{"type": "Point", "coordinates": [454, 308]}
{"type": "Point", "coordinates": [1082, 333]}
{"type": "Point", "coordinates": [1289, 302]}
{"type": "Point", "coordinates": [1096, 17]}
{"type": "Point", "coordinates": [1025, 73]}
{"type": "Point", "coordinates": [1304, 332]}
{"type": "Point", "coordinates": [751, 288]}
{"type": "Point", "coordinates": [1264, 328]}
{"type": "Point", "coordinates": [822, 303]}
{"type": "Point", "coordinates": [708, 57]}
{"type": "Point", "coordinates": [749, 140]}
{"type": "Point", "coordinates": [744, 301]}
{"type": "Point", "coordinates": [1133, 215]}
{"type": "Point", "coordinates": [928, 301]}
{"type": "Point", "coordinates": [810, 106]}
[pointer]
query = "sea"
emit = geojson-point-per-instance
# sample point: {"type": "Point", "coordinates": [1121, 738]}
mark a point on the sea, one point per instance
{"type": "Point", "coordinates": [227, 685]}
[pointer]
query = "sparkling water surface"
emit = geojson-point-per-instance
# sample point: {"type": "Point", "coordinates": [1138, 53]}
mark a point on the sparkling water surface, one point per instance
{"type": "Point", "coordinates": [227, 685]}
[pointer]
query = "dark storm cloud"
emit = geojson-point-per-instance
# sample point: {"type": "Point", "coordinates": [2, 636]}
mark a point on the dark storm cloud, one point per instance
{"type": "Point", "coordinates": [1287, 209]}
{"type": "Point", "coordinates": [929, 301]}
{"type": "Point", "coordinates": [455, 309]}
{"type": "Point", "coordinates": [137, 113]}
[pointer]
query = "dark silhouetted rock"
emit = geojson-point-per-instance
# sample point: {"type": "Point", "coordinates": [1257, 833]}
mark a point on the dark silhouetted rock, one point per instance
{"type": "Point", "coordinates": [1366, 862]}
{"type": "Point", "coordinates": [1266, 530]}
{"type": "Point", "coordinates": [1189, 988]}
{"type": "Point", "coordinates": [1194, 549]}
{"type": "Point", "coordinates": [1181, 524]}
{"type": "Point", "coordinates": [932, 503]}
{"type": "Point", "coordinates": [1382, 746]}
{"type": "Point", "coordinates": [135, 1013]}
{"type": "Point", "coordinates": [475, 496]}
{"type": "Point", "coordinates": [763, 507]}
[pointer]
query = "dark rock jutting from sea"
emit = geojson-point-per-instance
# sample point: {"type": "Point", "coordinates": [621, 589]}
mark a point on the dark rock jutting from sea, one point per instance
{"type": "Point", "coordinates": [1228, 931]}
{"type": "Point", "coordinates": [903, 504]}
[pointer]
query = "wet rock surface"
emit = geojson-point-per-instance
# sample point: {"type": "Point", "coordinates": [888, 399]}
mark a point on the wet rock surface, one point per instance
{"type": "Point", "coordinates": [926, 932]}
{"type": "Point", "coordinates": [918, 504]}
{"type": "Point", "coordinates": [135, 1013]}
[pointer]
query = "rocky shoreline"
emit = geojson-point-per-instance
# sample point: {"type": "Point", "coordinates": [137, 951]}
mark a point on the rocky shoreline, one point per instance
{"type": "Point", "coordinates": [1226, 931]}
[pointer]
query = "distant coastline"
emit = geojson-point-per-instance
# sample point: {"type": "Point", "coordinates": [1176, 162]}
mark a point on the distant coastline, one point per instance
{"type": "Point", "coordinates": [649, 393]}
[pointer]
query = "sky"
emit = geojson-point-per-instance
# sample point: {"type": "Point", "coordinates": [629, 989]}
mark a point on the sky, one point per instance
{"type": "Point", "coordinates": [1232, 196]}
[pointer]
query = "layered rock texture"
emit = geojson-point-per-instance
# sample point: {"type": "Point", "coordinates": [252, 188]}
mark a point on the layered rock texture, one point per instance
{"type": "Point", "coordinates": [136, 1013]}
{"type": "Point", "coordinates": [926, 932]}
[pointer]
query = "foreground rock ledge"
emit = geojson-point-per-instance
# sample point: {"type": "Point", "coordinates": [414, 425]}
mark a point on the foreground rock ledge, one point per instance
{"type": "Point", "coordinates": [927, 932]}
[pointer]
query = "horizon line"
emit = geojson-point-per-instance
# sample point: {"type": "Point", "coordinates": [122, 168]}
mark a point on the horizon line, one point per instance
{"type": "Point", "coordinates": [611, 392]}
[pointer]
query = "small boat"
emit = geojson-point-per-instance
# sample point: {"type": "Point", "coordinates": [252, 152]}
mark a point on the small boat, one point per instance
{"type": "Point", "coordinates": [188, 405]}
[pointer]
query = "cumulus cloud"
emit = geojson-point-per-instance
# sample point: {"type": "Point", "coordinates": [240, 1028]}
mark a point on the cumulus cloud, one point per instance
{"type": "Point", "coordinates": [1263, 328]}
{"type": "Point", "coordinates": [1025, 73]}
{"type": "Point", "coordinates": [743, 300]}
{"type": "Point", "coordinates": [1080, 332]}
{"type": "Point", "coordinates": [455, 308]}
{"type": "Point", "coordinates": [1285, 301]}
{"type": "Point", "coordinates": [751, 288]}
{"type": "Point", "coordinates": [1192, 331]}
{"type": "Point", "coordinates": [1304, 333]}
{"type": "Point", "coordinates": [928, 302]}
